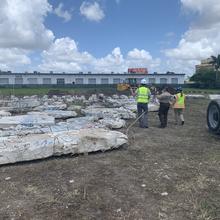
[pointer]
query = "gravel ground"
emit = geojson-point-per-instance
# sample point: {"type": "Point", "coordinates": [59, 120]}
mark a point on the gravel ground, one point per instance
{"type": "Point", "coordinates": [165, 174]}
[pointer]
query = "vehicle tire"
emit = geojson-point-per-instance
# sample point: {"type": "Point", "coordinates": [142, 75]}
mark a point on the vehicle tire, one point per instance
{"type": "Point", "coordinates": [213, 116]}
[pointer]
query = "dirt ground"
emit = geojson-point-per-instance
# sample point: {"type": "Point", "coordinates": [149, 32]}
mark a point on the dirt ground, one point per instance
{"type": "Point", "coordinates": [167, 174]}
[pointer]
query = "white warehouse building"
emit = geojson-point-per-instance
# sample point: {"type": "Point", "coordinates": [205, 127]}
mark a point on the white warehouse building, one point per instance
{"type": "Point", "coordinates": [37, 78]}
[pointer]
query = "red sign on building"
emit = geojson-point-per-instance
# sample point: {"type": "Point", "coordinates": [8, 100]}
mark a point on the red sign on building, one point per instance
{"type": "Point", "coordinates": [138, 70]}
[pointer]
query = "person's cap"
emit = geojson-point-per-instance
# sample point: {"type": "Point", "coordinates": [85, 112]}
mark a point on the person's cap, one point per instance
{"type": "Point", "coordinates": [144, 81]}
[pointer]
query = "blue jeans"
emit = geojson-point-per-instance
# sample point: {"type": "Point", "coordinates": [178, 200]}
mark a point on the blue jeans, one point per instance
{"type": "Point", "coordinates": [143, 108]}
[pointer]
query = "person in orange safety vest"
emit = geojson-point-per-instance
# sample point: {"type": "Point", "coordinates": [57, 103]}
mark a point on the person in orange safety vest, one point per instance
{"type": "Point", "coordinates": [179, 105]}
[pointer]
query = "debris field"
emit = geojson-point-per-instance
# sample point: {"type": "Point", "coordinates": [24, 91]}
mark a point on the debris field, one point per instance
{"type": "Point", "coordinates": [170, 173]}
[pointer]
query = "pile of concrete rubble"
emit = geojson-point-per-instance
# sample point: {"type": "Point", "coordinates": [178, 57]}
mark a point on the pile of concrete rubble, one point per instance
{"type": "Point", "coordinates": [39, 127]}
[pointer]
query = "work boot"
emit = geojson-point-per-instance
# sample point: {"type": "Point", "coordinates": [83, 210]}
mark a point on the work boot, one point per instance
{"type": "Point", "coordinates": [182, 123]}
{"type": "Point", "coordinates": [161, 126]}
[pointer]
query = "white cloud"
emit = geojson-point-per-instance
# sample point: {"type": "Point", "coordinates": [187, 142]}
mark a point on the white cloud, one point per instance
{"type": "Point", "coordinates": [66, 15]}
{"type": "Point", "coordinates": [203, 37]}
{"type": "Point", "coordinates": [21, 24]}
{"type": "Point", "coordinates": [188, 50]}
{"type": "Point", "coordinates": [64, 55]}
{"type": "Point", "coordinates": [139, 55]}
{"type": "Point", "coordinates": [180, 66]}
{"type": "Point", "coordinates": [141, 58]}
{"type": "Point", "coordinates": [203, 7]}
{"type": "Point", "coordinates": [92, 12]}
{"type": "Point", "coordinates": [11, 59]}
{"type": "Point", "coordinates": [112, 62]}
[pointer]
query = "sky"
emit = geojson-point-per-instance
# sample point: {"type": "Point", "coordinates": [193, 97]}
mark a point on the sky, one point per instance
{"type": "Point", "coordinates": [107, 35]}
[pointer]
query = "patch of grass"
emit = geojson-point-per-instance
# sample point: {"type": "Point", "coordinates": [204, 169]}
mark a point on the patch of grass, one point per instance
{"type": "Point", "coordinates": [201, 206]}
{"type": "Point", "coordinates": [201, 91]}
{"type": "Point", "coordinates": [208, 210]}
{"type": "Point", "coordinates": [64, 90]}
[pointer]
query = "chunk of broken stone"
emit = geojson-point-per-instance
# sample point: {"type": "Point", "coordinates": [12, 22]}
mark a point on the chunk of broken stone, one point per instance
{"type": "Point", "coordinates": [214, 96]}
{"type": "Point", "coordinates": [123, 97]}
{"type": "Point", "coordinates": [74, 108]}
{"type": "Point", "coordinates": [60, 114]}
{"type": "Point", "coordinates": [93, 98]}
{"type": "Point", "coordinates": [152, 107]}
{"type": "Point", "coordinates": [101, 112]}
{"type": "Point", "coordinates": [20, 104]}
{"type": "Point", "coordinates": [79, 98]}
{"type": "Point", "coordinates": [27, 120]}
{"type": "Point", "coordinates": [115, 96]}
{"type": "Point", "coordinates": [31, 147]}
{"type": "Point", "coordinates": [4, 113]}
{"type": "Point", "coordinates": [126, 113]}
{"type": "Point", "coordinates": [113, 123]}
{"type": "Point", "coordinates": [71, 124]}
{"type": "Point", "coordinates": [195, 96]}
{"type": "Point", "coordinates": [55, 106]}
{"type": "Point", "coordinates": [110, 102]}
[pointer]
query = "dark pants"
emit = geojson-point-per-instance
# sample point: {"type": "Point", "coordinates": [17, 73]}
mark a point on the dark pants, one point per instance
{"type": "Point", "coordinates": [163, 112]}
{"type": "Point", "coordinates": [143, 108]}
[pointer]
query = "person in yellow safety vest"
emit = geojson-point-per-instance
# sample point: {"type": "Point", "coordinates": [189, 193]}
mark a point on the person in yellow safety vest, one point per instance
{"type": "Point", "coordinates": [179, 105]}
{"type": "Point", "coordinates": [142, 96]}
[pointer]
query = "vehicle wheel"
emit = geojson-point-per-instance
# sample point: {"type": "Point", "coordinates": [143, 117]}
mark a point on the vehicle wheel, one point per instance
{"type": "Point", "coordinates": [213, 116]}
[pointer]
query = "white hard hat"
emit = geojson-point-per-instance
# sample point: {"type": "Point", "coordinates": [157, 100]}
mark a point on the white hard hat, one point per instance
{"type": "Point", "coordinates": [144, 81]}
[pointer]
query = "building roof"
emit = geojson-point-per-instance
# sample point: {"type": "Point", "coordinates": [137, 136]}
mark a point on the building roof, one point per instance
{"type": "Point", "coordinates": [95, 74]}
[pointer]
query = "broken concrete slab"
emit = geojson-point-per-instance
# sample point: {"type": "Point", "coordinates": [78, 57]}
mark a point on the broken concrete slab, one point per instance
{"type": "Point", "coordinates": [19, 105]}
{"type": "Point", "coordinates": [110, 102]}
{"type": "Point", "coordinates": [82, 120]}
{"type": "Point", "coordinates": [123, 97]}
{"type": "Point", "coordinates": [54, 106]}
{"type": "Point", "coordinates": [115, 96]}
{"type": "Point", "coordinates": [57, 114]}
{"type": "Point", "coordinates": [113, 123]}
{"type": "Point", "coordinates": [60, 114]}
{"type": "Point", "coordinates": [71, 124]}
{"type": "Point", "coordinates": [214, 96]}
{"type": "Point", "coordinates": [76, 108]}
{"type": "Point", "coordinates": [27, 120]}
{"type": "Point", "coordinates": [128, 103]}
{"type": "Point", "coordinates": [195, 96]}
{"type": "Point", "coordinates": [31, 147]}
{"type": "Point", "coordinates": [4, 113]}
{"type": "Point", "coordinates": [101, 112]}
{"type": "Point", "coordinates": [125, 113]}
{"type": "Point", "coordinates": [93, 98]}
{"type": "Point", "coordinates": [152, 107]}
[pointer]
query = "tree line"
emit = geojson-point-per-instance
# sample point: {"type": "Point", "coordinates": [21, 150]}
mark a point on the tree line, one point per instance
{"type": "Point", "coordinates": [208, 77]}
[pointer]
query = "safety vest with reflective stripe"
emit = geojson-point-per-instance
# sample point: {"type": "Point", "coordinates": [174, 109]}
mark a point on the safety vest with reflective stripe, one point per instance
{"type": "Point", "coordinates": [180, 101]}
{"type": "Point", "coordinates": [143, 94]}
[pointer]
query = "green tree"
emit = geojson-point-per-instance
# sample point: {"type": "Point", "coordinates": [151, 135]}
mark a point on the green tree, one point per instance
{"type": "Point", "coordinates": [207, 77]}
{"type": "Point", "coordinates": [216, 64]}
